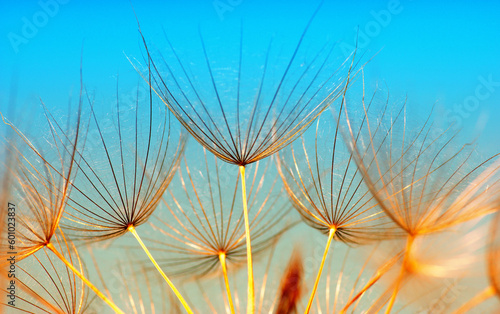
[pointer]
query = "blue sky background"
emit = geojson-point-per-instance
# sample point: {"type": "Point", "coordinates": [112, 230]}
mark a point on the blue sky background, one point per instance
{"type": "Point", "coordinates": [429, 51]}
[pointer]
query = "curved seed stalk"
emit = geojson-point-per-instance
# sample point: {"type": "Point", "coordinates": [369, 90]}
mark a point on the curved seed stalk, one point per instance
{"type": "Point", "coordinates": [47, 285]}
{"type": "Point", "coordinates": [251, 293]}
{"type": "Point", "coordinates": [131, 229]}
{"type": "Point", "coordinates": [222, 259]}
{"type": "Point", "coordinates": [318, 276]}
{"type": "Point", "coordinates": [51, 247]}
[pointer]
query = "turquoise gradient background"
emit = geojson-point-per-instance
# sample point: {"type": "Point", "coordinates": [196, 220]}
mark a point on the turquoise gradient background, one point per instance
{"type": "Point", "coordinates": [428, 51]}
{"type": "Point", "coordinates": [431, 52]}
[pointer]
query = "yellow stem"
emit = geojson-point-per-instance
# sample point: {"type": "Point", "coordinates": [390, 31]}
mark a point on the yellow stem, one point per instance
{"type": "Point", "coordinates": [476, 300]}
{"type": "Point", "coordinates": [170, 284]}
{"type": "Point", "coordinates": [251, 293]}
{"type": "Point", "coordinates": [380, 272]}
{"type": "Point", "coordinates": [311, 298]}
{"type": "Point", "coordinates": [357, 296]}
{"type": "Point", "coordinates": [409, 244]}
{"type": "Point", "coordinates": [222, 259]}
{"type": "Point", "coordinates": [115, 308]}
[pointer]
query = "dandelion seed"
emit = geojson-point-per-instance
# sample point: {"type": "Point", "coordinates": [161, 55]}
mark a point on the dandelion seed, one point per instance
{"type": "Point", "coordinates": [205, 229]}
{"type": "Point", "coordinates": [123, 176]}
{"type": "Point", "coordinates": [45, 186]}
{"type": "Point", "coordinates": [419, 178]}
{"type": "Point", "coordinates": [267, 118]}
{"type": "Point", "coordinates": [327, 189]}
